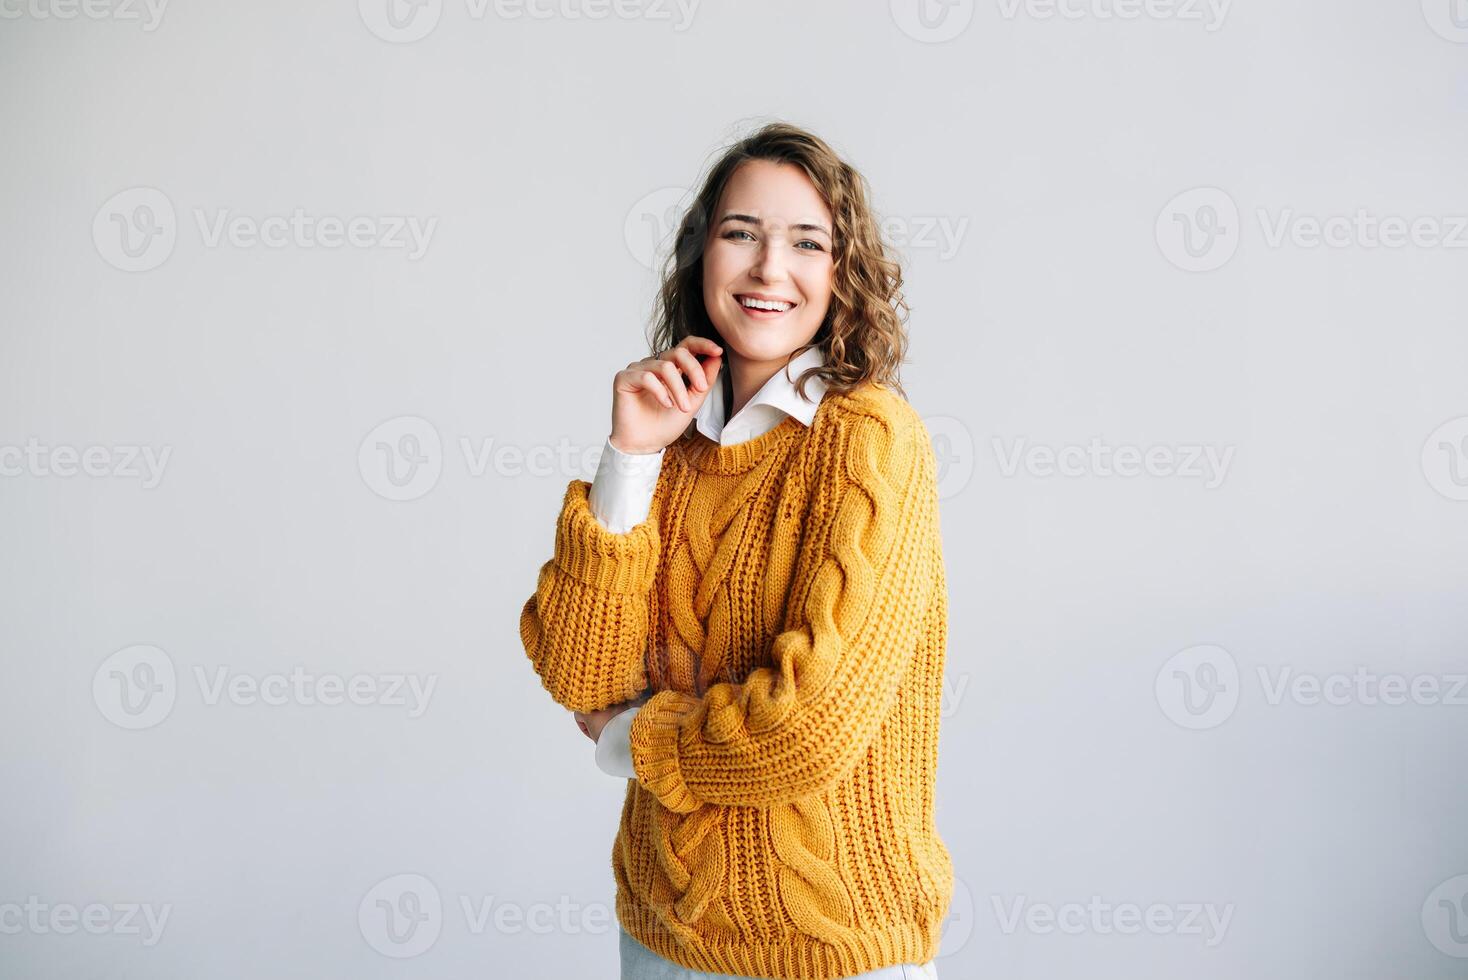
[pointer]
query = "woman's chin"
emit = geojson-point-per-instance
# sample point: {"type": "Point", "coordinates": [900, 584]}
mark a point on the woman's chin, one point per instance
{"type": "Point", "coordinates": [745, 343]}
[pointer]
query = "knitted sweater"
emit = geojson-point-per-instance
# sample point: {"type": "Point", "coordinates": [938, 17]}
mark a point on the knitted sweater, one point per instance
{"type": "Point", "coordinates": [621, 495]}
{"type": "Point", "coordinates": [785, 603]}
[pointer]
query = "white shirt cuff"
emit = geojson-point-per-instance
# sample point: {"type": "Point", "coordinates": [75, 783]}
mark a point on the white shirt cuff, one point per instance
{"type": "Point", "coordinates": [621, 495]}
{"type": "Point", "coordinates": [614, 745]}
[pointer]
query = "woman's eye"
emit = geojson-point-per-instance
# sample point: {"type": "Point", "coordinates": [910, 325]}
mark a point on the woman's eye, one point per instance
{"type": "Point", "coordinates": [814, 245]}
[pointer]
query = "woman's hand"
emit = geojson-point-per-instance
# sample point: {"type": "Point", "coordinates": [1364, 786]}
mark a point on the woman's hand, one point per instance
{"type": "Point", "coordinates": [651, 400]}
{"type": "Point", "coordinates": [592, 722]}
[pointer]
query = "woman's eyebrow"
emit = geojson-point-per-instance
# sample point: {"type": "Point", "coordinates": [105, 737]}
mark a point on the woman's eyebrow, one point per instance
{"type": "Point", "coordinates": [751, 219]}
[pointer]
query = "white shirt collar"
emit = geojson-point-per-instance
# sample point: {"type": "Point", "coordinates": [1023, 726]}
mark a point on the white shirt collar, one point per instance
{"type": "Point", "coordinates": [764, 410]}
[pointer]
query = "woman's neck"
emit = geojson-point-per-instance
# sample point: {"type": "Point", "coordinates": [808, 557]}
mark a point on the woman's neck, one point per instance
{"type": "Point", "coordinates": [746, 378]}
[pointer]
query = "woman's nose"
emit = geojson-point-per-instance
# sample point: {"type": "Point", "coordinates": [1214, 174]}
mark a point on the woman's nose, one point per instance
{"type": "Point", "coordinates": [770, 266]}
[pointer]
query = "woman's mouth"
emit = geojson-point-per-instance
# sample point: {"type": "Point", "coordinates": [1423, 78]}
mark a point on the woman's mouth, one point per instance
{"type": "Point", "coordinates": [763, 309]}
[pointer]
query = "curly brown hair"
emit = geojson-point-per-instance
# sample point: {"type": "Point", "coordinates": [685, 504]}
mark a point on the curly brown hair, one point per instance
{"type": "Point", "coordinates": [863, 336]}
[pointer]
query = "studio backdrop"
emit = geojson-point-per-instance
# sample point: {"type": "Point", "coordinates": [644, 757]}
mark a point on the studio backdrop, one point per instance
{"type": "Point", "coordinates": [310, 315]}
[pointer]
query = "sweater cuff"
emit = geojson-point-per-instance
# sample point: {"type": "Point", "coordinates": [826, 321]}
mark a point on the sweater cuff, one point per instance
{"type": "Point", "coordinates": [654, 737]}
{"type": "Point", "coordinates": [596, 556]}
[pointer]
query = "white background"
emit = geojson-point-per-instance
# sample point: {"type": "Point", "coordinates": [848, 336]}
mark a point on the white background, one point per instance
{"type": "Point", "coordinates": [1078, 758]}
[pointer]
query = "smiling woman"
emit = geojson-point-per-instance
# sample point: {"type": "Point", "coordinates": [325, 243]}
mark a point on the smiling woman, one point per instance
{"type": "Point", "coordinates": [747, 609]}
{"type": "Point", "coordinates": [767, 268]}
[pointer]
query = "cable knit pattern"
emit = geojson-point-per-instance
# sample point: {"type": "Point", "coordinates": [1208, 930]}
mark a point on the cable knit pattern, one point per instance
{"type": "Point", "coordinates": [785, 605]}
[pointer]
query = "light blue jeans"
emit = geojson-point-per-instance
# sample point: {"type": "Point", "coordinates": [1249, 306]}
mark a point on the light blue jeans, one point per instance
{"type": "Point", "coordinates": [641, 963]}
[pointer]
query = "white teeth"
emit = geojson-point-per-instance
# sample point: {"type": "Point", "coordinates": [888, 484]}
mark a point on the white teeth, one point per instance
{"type": "Point", "coordinates": [760, 304]}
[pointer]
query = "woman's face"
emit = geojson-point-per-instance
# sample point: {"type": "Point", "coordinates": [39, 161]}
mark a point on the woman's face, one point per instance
{"type": "Point", "coordinates": [770, 238]}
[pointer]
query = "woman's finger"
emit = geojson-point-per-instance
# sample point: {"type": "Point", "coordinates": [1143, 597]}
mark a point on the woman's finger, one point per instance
{"type": "Point", "coordinates": [674, 380]}
{"type": "Point", "coordinates": [700, 345]}
{"type": "Point", "coordinates": [650, 381]}
{"type": "Point", "coordinates": [712, 351]}
{"type": "Point", "coordinates": [685, 360]}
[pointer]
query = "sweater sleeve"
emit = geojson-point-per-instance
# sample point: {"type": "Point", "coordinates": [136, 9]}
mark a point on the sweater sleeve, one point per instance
{"type": "Point", "coordinates": [796, 727]}
{"type": "Point", "coordinates": [585, 627]}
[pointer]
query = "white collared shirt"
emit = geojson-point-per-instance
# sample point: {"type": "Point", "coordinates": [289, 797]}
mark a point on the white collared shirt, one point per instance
{"type": "Point", "coordinates": [621, 494]}
{"type": "Point", "coordinates": [776, 399]}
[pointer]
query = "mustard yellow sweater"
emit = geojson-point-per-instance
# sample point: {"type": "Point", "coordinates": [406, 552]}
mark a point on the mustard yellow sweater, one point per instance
{"type": "Point", "coordinates": [785, 605]}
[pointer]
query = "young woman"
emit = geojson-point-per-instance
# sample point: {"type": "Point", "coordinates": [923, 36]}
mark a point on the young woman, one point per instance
{"type": "Point", "coordinates": [748, 606]}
